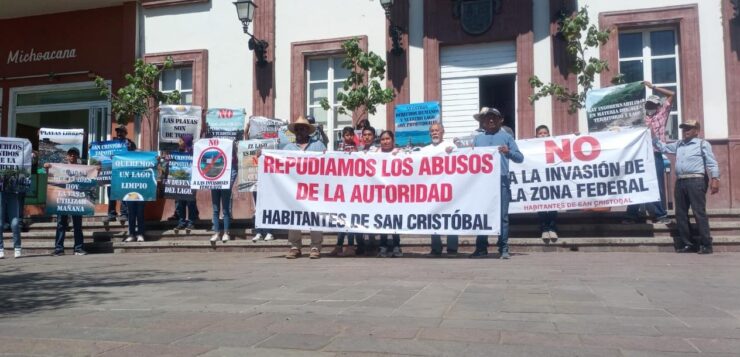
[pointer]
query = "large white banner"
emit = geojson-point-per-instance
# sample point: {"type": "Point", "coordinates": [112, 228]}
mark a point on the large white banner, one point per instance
{"type": "Point", "coordinates": [456, 193]}
{"type": "Point", "coordinates": [212, 164]}
{"type": "Point", "coordinates": [605, 169]}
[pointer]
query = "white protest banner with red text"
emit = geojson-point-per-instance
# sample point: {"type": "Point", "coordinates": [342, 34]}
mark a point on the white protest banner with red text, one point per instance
{"type": "Point", "coordinates": [212, 164]}
{"type": "Point", "coordinates": [604, 169]}
{"type": "Point", "coordinates": [454, 193]}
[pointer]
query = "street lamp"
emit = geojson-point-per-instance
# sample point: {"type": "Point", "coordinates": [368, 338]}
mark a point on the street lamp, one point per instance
{"type": "Point", "coordinates": [394, 30]}
{"type": "Point", "coordinates": [245, 10]}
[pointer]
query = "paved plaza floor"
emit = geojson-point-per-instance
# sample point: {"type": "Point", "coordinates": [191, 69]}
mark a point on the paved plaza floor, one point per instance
{"type": "Point", "coordinates": [227, 304]}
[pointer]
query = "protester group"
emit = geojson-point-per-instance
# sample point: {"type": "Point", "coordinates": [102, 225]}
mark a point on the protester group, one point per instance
{"type": "Point", "coordinates": [229, 154]}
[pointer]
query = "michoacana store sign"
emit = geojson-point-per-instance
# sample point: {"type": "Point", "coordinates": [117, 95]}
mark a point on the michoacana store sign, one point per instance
{"type": "Point", "coordinates": [24, 56]}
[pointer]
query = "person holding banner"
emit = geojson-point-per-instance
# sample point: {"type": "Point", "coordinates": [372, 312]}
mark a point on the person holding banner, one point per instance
{"type": "Point", "coordinates": [491, 121]}
{"type": "Point", "coordinates": [73, 156]}
{"type": "Point", "coordinates": [12, 190]}
{"type": "Point", "coordinates": [388, 145]}
{"type": "Point", "coordinates": [548, 228]}
{"type": "Point", "coordinates": [303, 131]}
{"type": "Point", "coordinates": [440, 145]}
{"type": "Point", "coordinates": [221, 201]}
{"type": "Point", "coordinates": [657, 113]}
{"type": "Point", "coordinates": [694, 157]}
{"type": "Point", "coordinates": [187, 211]}
{"type": "Point", "coordinates": [121, 133]}
{"type": "Point", "coordinates": [348, 146]}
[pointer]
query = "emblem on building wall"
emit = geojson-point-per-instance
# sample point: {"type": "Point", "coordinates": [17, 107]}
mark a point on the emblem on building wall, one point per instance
{"type": "Point", "coordinates": [476, 16]}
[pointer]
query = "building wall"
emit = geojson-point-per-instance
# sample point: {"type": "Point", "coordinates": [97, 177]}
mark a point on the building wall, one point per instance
{"type": "Point", "coordinates": [300, 20]}
{"type": "Point", "coordinates": [712, 55]}
{"type": "Point", "coordinates": [213, 26]}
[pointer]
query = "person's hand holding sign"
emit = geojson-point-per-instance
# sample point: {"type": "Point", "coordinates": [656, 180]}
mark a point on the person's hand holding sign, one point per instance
{"type": "Point", "coordinates": [503, 149]}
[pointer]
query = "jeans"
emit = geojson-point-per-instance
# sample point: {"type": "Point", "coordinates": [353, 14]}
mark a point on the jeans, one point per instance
{"type": "Point", "coordinates": [481, 242]}
{"type": "Point", "coordinates": [655, 208]}
{"type": "Point", "coordinates": [62, 224]}
{"type": "Point", "coordinates": [136, 218]}
{"type": "Point", "coordinates": [547, 221]}
{"type": "Point", "coordinates": [396, 242]}
{"type": "Point", "coordinates": [452, 242]}
{"type": "Point", "coordinates": [10, 207]}
{"type": "Point", "coordinates": [181, 206]}
{"type": "Point", "coordinates": [112, 206]}
{"type": "Point", "coordinates": [221, 199]}
{"type": "Point", "coordinates": [261, 231]}
{"type": "Point", "coordinates": [691, 193]}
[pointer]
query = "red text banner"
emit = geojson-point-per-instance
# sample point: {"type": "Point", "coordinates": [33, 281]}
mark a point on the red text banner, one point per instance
{"type": "Point", "coordinates": [454, 193]}
{"type": "Point", "coordinates": [604, 169]}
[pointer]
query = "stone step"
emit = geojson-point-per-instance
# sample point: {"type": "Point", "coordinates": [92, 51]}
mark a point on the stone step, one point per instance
{"type": "Point", "coordinates": [409, 244]}
{"type": "Point", "coordinates": [105, 233]}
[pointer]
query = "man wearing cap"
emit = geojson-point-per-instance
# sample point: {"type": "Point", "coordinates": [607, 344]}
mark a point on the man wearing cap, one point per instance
{"type": "Point", "coordinates": [491, 120]}
{"type": "Point", "coordinates": [656, 117]}
{"type": "Point", "coordinates": [694, 157]}
{"type": "Point", "coordinates": [121, 133]}
{"type": "Point", "coordinates": [304, 141]}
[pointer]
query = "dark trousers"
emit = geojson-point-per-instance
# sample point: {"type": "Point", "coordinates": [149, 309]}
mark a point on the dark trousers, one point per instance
{"type": "Point", "coordinates": [691, 193]}
{"type": "Point", "coordinates": [112, 206]}
{"type": "Point", "coordinates": [481, 242]}
{"type": "Point", "coordinates": [547, 221]}
{"type": "Point", "coordinates": [62, 224]}
{"type": "Point", "coordinates": [350, 239]}
{"type": "Point", "coordinates": [186, 211]}
{"type": "Point", "coordinates": [657, 209]}
{"type": "Point", "coordinates": [136, 218]}
{"type": "Point", "coordinates": [396, 242]}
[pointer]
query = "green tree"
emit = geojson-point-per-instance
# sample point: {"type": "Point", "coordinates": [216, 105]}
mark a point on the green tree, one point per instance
{"type": "Point", "coordinates": [357, 95]}
{"type": "Point", "coordinates": [140, 96]}
{"type": "Point", "coordinates": [580, 36]}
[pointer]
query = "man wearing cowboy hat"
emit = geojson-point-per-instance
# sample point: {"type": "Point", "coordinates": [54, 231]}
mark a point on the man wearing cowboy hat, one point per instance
{"type": "Point", "coordinates": [694, 157]}
{"type": "Point", "coordinates": [121, 133]}
{"type": "Point", "coordinates": [304, 141]}
{"type": "Point", "coordinates": [491, 120]}
{"type": "Point", "coordinates": [657, 112]}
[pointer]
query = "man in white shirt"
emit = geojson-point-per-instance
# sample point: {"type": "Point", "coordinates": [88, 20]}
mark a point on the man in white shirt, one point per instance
{"type": "Point", "coordinates": [440, 145]}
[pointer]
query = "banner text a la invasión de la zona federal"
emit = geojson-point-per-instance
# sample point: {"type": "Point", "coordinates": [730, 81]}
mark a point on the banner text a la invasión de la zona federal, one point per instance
{"type": "Point", "coordinates": [380, 193]}
{"type": "Point", "coordinates": [604, 169]}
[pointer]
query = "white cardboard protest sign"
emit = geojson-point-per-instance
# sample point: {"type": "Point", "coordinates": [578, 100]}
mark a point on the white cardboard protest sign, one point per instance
{"type": "Point", "coordinates": [604, 169]}
{"type": "Point", "coordinates": [212, 164]}
{"type": "Point", "coordinates": [456, 193]}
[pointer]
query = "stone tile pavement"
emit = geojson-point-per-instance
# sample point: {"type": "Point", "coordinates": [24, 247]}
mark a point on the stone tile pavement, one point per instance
{"type": "Point", "coordinates": [228, 304]}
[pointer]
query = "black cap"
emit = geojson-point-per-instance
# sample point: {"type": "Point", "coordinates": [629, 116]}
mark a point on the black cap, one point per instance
{"type": "Point", "coordinates": [73, 151]}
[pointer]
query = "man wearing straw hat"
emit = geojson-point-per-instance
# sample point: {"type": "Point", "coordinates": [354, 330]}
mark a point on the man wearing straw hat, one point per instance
{"type": "Point", "coordinates": [492, 121]}
{"type": "Point", "coordinates": [304, 141]}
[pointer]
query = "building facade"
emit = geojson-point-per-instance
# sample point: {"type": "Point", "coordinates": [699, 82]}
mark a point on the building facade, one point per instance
{"type": "Point", "coordinates": [464, 54]}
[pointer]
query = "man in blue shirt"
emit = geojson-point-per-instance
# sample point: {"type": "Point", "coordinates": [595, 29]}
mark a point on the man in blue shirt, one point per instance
{"type": "Point", "coordinates": [693, 158]}
{"type": "Point", "coordinates": [304, 141]}
{"type": "Point", "coordinates": [491, 120]}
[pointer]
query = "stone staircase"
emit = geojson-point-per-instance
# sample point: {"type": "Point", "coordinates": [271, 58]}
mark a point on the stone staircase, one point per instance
{"type": "Point", "coordinates": [579, 231]}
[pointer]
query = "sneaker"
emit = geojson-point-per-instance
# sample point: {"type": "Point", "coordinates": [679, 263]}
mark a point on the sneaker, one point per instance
{"type": "Point", "coordinates": [706, 250]}
{"type": "Point", "coordinates": [140, 238]}
{"type": "Point", "coordinates": [2, 254]}
{"type": "Point", "coordinates": [383, 253]}
{"type": "Point", "coordinates": [190, 225]}
{"type": "Point", "coordinates": [293, 253]}
{"type": "Point", "coordinates": [226, 237]}
{"type": "Point", "coordinates": [57, 253]}
{"type": "Point", "coordinates": [110, 218]}
{"type": "Point", "coordinates": [546, 237]}
{"type": "Point", "coordinates": [336, 251]}
{"type": "Point", "coordinates": [80, 252]}
{"type": "Point", "coordinates": [269, 236]}
{"type": "Point", "coordinates": [17, 253]}
{"type": "Point", "coordinates": [663, 220]}
{"type": "Point", "coordinates": [123, 218]}
{"type": "Point", "coordinates": [315, 253]}
{"type": "Point", "coordinates": [215, 237]}
{"type": "Point", "coordinates": [505, 255]}
{"type": "Point", "coordinates": [180, 226]}
{"type": "Point", "coordinates": [397, 253]}
{"type": "Point", "coordinates": [129, 239]}
{"type": "Point", "coordinates": [257, 237]}
{"type": "Point", "coordinates": [553, 236]}
{"type": "Point", "coordinates": [479, 254]}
